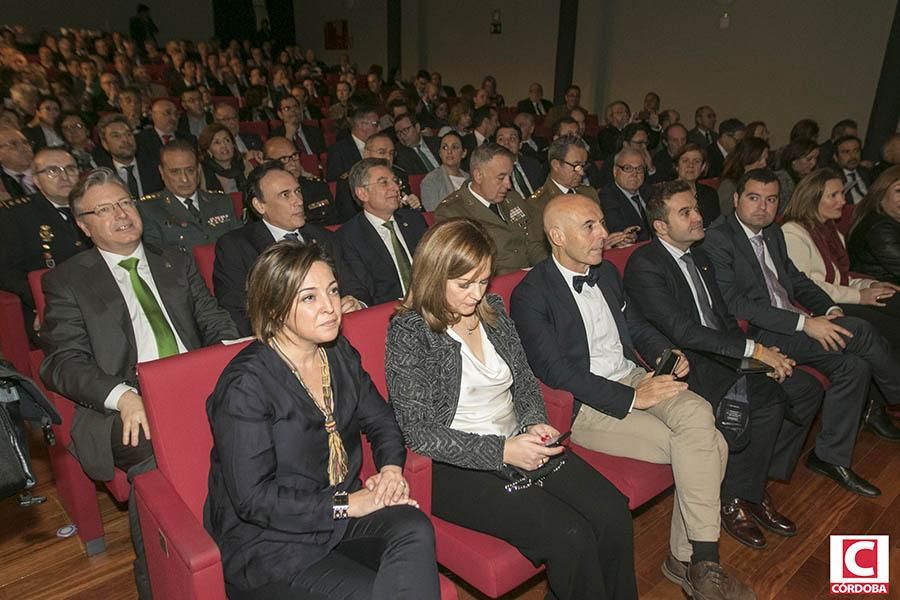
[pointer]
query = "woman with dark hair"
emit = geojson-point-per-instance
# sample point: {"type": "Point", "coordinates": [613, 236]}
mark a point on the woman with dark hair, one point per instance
{"type": "Point", "coordinates": [223, 168]}
{"type": "Point", "coordinates": [460, 120]}
{"type": "Point", "coordinates": [489, 85]}
{"type": "Point", "coordinates": [78, 140]}
{"type": "Point", "coordinates": [875, 237]}
{"type": "Point", "coordinates": [690, 164]}
{"type": "Point", "coordinates": [464, 395]}
{"type": "Point", "coordinates": [805, 129]}
{"type": "Point", "coordinates": [757, 129]}
{"type": "Point", "coordinates": [43, 131]}
{"type": "Point", "coordinates": [750, 153]}
{"type": "Point", "coordinates": [286, 506]}
{"type": "Point", "coordinates": [798, 159]}
{"type": "Point", "coordinates": [448, 177]}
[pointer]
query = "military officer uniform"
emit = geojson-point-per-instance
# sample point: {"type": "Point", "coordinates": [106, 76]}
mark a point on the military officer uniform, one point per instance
{"type": "Point", "coordinates": [168, 222]}
{"type": "Point", "coordinates": [547, 192]}
{"type": "Point", "coordinates": [518, 230]}
{"type": "Point", "coordinates": [35, 235]}
{"type": "Point", "coordinates": [318, 205]}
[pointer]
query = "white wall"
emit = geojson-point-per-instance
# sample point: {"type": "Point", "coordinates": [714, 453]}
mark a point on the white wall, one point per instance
{"type": "Point", "coordinates": [191, 19]}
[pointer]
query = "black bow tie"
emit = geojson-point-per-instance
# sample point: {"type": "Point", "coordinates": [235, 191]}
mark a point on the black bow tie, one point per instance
{"type": "Point", "coordinates": [579, 280]}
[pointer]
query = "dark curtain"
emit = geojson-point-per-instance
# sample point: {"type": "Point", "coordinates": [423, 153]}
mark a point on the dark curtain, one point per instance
{"type": "Point", "coordinates": [235, 20]}
{"type": "Point", "coordinates": [281, 19]}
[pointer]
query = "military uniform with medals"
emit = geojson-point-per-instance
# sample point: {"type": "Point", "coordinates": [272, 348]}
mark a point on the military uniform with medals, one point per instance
{"type": "Point", "coordinates": [168, 222]}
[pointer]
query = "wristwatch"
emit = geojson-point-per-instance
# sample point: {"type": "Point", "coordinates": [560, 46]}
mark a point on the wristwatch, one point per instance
{"type": "Point", "coordinates": [341, 506]}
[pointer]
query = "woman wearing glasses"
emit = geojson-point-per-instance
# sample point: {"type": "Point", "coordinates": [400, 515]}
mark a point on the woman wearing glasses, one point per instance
{"type": "Point", "coordinates": [690, 164]}
{"type": "Point", "coordinates": [448, 177]}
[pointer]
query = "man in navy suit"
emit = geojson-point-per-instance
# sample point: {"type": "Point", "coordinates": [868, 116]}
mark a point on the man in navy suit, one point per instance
{"type": "Point", "coordinates": [674, 286]}
{"type": "Point", "coordinates": [534, 104]}
{"type": "Point", "coordinates": [624, 201]}
{"type": "Point", "coordinates": [307, 139]}
{"type": "Point", "coordinates": [762, 286]}
{"type": "Point", "coordinates": [416, 154]}
{"type": "Point", "coordinates": [528, 174]}
{"type": "Point", "coordinates": [346, 152]}
{"type": "Point", "coordinates": [378, 243]}
{"type": "Point", "coordinates": [581, 334]}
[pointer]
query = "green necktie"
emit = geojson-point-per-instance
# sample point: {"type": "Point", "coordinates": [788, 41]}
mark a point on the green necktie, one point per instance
{"type": "Point", "coordinates": [400, 254]}
{"type": "Point", "coordinates": [166, 345]}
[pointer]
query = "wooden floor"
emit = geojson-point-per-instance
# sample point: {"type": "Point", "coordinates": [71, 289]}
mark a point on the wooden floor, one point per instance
{"type": "Point", "coordinates": [36, 564]}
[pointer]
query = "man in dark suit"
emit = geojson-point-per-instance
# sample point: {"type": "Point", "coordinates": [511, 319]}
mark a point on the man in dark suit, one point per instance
{"type": "Point", "coordinates": [227, 115]}
{"type": "Point", "coordinates": [704, 132]}
{"type": "Point", "coordinates": [484, 124]}
{"type": "Point", "coordinates": [107, 310]}
{"type": "Point", "coordinates": [347, 151]}
{"type": "Point", "coordinates": [15, 162]}
{"type": "Point", "coordinates": [528, 173]}
{"type": "Point", "coordinates": [581, 333]}
{"type": "Point", "coordinates": [118, 151]}
{"type": "Point", "coordinates": [674, 138]}
{"type": "Point", "coordinates": [535, 103]}
{"type": "Point", "coordinates": [308, 140]}
{"type": "Point", "coordinates": [378, 243]}
{"type": "Point", "coordinates": [276, 198]}
{"type": "Point", "coordinates": [674, 287]}
{"type": "Point", "coordinates": [532, 145]}
{"type": "Point", "coordinates": [637, 137]}
{"type": "Point", "coordinates": [446, 90]}
{"type": "Point", "coordinates": [842, 128]}
{"type": "Point", "coordinates": [618, 115]}
{"type": "Point", "coordinates": [762, 286]}
{"type": "Point", "coordinates": [731, 132]}
{"type": "Point", "coordinates": [624, 200]}
{"type": "Point", "coordinates": [308, 112]}
{"type": "Point", "coordinates": [416, 154]}
{"type": "Point", "coordinates": [857, 179]}
{"type": "Point", "coordinates": [194, 119]}
{"type": "Point", "coordinates": [150, 141]}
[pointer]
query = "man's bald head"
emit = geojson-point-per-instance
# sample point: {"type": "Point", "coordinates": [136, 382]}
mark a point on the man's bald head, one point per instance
{"type": "Point", "coordinates": [575, 226]}
{"type": "Point", "coordinates": [284, 151]}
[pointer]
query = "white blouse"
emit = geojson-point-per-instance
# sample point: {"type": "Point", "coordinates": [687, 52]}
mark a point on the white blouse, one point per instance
{"type": "Point", "coordinates": [485, 400]}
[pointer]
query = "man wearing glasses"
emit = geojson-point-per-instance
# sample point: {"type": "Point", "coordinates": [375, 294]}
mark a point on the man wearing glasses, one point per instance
{"type": "Point", "coordinates": [346, 152]}
{"type": "Point", "coordinates": [38, 230]}
{"type": "Point", "coordinates": [568, 159]}
{"type": "Point", "coordinates": [635, 136]}
{"type": "Point", "coordinates": [624, 200]}
{"type": "Point", "coordinates": [15, 162]}
{"type": "Point", "coordinates": [109, 308]}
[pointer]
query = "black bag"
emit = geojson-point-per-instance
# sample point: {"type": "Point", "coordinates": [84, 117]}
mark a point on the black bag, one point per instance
{"type": "Point", "coordinates": [520, 479]}
{"type": "Point", "coordinates": [15, 467]}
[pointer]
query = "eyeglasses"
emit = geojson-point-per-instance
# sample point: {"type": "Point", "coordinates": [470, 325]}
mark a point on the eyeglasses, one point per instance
{"type": "Point", "coordinates": [73, 126]}
{"type": "Point", "coordinates": [632, 169]}
{"type": "Point", "coordinates": [288, 158]}
{"type": "Point", "coordinates": [383, 182]}
{"type": "Point", "coordinates": [638, 142]}
{"type": "Point", "coordinates": [105, 210]}
{"type": "Point", "coordinates": [576, 166]}
{"type": "Point", "coordinates": [54, 171]}
{"type": "Point", "coordinates": [405, 130]}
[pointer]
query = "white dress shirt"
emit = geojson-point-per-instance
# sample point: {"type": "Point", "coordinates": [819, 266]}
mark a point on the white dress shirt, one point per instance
{"type": "Point", "coordinates": [143, 333]}
{"type": "Point", "coordinates": [479, 139]}
{"type": "Point", "coordinates": [278, 233]}
{"type": "Point", "coordinates": [485, 400]}
{"type": "Point", "coordinates": [120, 169]}
{"type": "Point", "coordinates": [385, 236]}
{"type": "Point", "coordinates": [27, 181]}
{"type": "Point", "coordinates": [360, 145]}
{"type": "Point", "coordinates": [487, 204]}
{"type": "Point", "coordinates": [424, 149]}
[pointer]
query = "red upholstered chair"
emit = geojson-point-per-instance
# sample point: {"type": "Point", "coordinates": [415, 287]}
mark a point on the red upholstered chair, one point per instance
{"type": "Point", "coordinates": [77, 491]}
{"type": "Point", "coordinates": [712, 182]}
{"type": "Point", "coordinates": [503, 285]}
{"type": "Point", "coordinates": [260, 128]}
{"type": "Point", "coordinates": [237, 204]}
{"type": "Point", "coordinates": [333, 227]}
{"type": "Point", "coordinates": [487, 563]}
{"type": "Point", "coordinates": [323, 160]}
{"type": "Point", "coordinates": [183, 560]}
{"type": "Point", "coordinates": [311, 163]}
{"type": "Point", "coordinates": [415, 184]}
{"type": "Point", "coordinates": [429, 217]}
{"type": "Point", "coordinates": [13, 337]}
{"type": "Point", "coordinates": [205, 258]}
{"type": "Point", "coordinates": [332, 187]}
{"type": "Point", "coordinates": [328, 126]}
{"type": "Point", "coordinates": [619, 256]}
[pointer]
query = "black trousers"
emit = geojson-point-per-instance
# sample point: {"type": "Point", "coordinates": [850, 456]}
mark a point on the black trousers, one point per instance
{"type": "Point", "coordinates": [578, 524]}
{"type": "Point", "coordinates": [386, 555]}
{"type": "Point", "coordinates": [867, 356]}
{"type": "Point", "coordinates": [804, 398]}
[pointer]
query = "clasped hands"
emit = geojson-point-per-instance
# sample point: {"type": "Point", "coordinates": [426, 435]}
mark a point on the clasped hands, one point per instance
{"type": "Point", "coordinates": [388, 487]}
{"type": "Point", "coordinates": [527, 450]}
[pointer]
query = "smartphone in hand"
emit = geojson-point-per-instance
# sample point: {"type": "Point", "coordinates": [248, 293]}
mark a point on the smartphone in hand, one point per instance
{"type": "Point", "coordinates": [557, 440]}
{"type": "Point", "coordinates": [668, 362]}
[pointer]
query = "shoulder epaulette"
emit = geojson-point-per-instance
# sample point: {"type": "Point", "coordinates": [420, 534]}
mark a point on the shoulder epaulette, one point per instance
{"type": "Point", "coordinates": [536, 193]}
{"type": "Point", "coordinates": [152, 196]}
{"type": "Point", "coordinates": [345, 175]}
{"type": "Point", "coordinates": [310, 177]}
{"type": "Point", "coordinates": [15, 202]}
{"type": "Point", "coordinates": [215, 192]}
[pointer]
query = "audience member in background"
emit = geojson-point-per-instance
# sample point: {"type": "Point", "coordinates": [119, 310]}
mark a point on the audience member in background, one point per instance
{"type": "Point", "coordinates": [581, 334]}
{"type": "Point", "coordinates": [798, 159]}
{"type": "Point", "coordinates": [514, 225]}
{"type": "Point", "coordinates": [320, 207]}
{"type": "Point", "coordinates": [826, 150]}
{"type": "Point", "coordinates": [119, 148]}
{"type": "Point", "coordinates": [690, 163]}
{"type": "Point", "coordinates": [254, 108]}
{"type": "Point", "coordinates": [15, 162]}
{"type": "Point", "coordinates": [591, 143]}
{"type": "Point", "coordinates": [44, 131]}
{"type": "Point", "coordinates": [480, 99]}
{"type": "Point", "coordinates": [165, 122]}
{"type": "Point", "coordinates": [131, 105]}
{"type": "Point", "coordinates": [194, 119]}
{"type": "Point", "coordinates": [448, 177]}
{"type": "Point", "coordinates": [307, 139]}
{"type": "Point", "coordinates": [378, 243]}
{"type": "Point", "coordinates": [731, 132]}
{"type": "Point", "coordinates": [108, 99]}
{"type": "Point", "coordinates": [484, 125]}
{"type": "Point", "coordinates": [528, 173]}
{"type": "Point", "coordinates": [890, 155]}
{"type": "Point", "coordinates": [624, 200]}
{"type": "Point", "coordinates": [245, 143]}
{"type": "Point", "coordinates": [108, 309]}
{"type": "Point", "coordinates": [460, 120]}
{"type": "Point", "coordinates": [532, 145]}
{"type": "Point", "coordinates": [489, 85]}
{"type": "Point", "coordinates": [669, 117]}
{"type": "Point", "coordinates": [223, 168]}
{"type": "Point", "coordinates": [464, 396]}
{"type": "Point", "coordinates": [182, 215]}
{"type": "Point", "coordinates": [618, 115]}
{"type": "Point", "coordinates": [856, 178]}
{"type": "Point", "coordinates": [446, 90]}
{"type": "Point", "coordinates": [634, 136]}
{"type": "Point", "coordinates": [276, 198]}
{"type": "Point", "coordinates": [804, 129]}
{"type": "Point", "coordinates": [426, 110]}
{"type": "Point", "coordinates": [757, 129]}
{"type": "Point", "coordinates": [308, 112]}
{"type": "Point", "coordinates": [416, 154]}
{"type": "Point", "coordinates": [535, 103]}
{"type": "Point", "coordinates": [750, 153]}
{"type": "Point", "coordinates": [354, 540]}
{"type": "Point", "coordinates": [347, 151]}
{"type": "Point", "coordinates": [571, 99]}
{"type": "Point", "coordinates": [704, 132]}
{"type": "Point", "coordinates": [78, 141]}
{"type": "Point", "coordinates": [674, 138]}
{"type": "Point", "coordinates": [568, 126]}
{"type": "Point", "coordinates": [874, 243]}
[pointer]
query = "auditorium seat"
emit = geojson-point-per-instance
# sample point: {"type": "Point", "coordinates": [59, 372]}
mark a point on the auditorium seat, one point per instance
{"type": "Point", "coordinates": [205, 258]}
{"type": "Point", "coordinates": [310, 162]}
{"type": "Point", "coordinates": [618, 257]}
{"type": "Point", "coordinates": [237, 203]}
{"type": "Point", "coordinates": [429, 217]}
{"type": "Point", "coordinates": [260, 128]}
{"type": "Point", "coordinates": [712, 182]}
{"type": "Point", "coordinates": [13, 336]}
{"type": "Point", "coordinates": [415, 184]}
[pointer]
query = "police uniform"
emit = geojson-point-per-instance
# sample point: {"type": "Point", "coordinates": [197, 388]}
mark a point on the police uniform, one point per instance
{"type": "Point", "coordinates": [518, 232]}
{"type": "Point", "coordinates": [34, 235]}
{"type": "Point", "coordinates": [168, 222]}
{"type": "Point", "coordinates": [318, 205]}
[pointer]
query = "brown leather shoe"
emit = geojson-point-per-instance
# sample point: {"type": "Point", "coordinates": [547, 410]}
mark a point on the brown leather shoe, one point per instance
{"type": "Point", "coordinates": [765, 514]}
{"type": "Point", "coordinates": [738, 522]}
{"type": "Point", "coordinates": [676, 571]}
{"type": "Point", "coordinates": [709, 581]}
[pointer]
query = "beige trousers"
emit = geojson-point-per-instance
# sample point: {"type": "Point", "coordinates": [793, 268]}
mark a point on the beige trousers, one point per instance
{"type": "Point", "coordinates": [680, 431]}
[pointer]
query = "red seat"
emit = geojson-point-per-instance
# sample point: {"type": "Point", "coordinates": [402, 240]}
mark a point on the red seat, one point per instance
{"type": "Point", "coordinates": [328, 126]}
{"type": "Point", "coordinates": [260, 128]}
{"type": "Point", "coordinates": [429, 218]}
{"type": "Point", "coordinates": [205, 258]}
{"type": "Point", "coordinates": [330, 138]}
{"type": "Point", "coordinates": [333, 227]}
{"type": "Point", "coordinates": [712, 182]}
{"type": "Point", "coordinates": [237, 203]}
{"type": "Point", "coordinates": [619, 256]}
{"type": "Point", "coordinates": [275, 124]}
{"type": "Point", "coordinates": [846, 220]}
{"type": "Point", "coordinates": [415, 184]}
{"type": "Point", "coordinates": [182, 558]}
{"type": "Point", "coordinates": [332, 187]}
{"type": "Point", "coordinates": [13, 337]}
{"type": "Point", "coordinates": [310, 162]}
{"type": "Point", "coordinates": [503, 285]}
{"type": "Point", "coordinates": [77, 491]}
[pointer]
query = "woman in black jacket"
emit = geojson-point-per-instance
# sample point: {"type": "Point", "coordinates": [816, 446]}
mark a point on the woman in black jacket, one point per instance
{"type": "Point", "coordinates": [286, 506]}
{"type": "Point", "coordinates": [464, 395]}
{"type": "Point", "coordinates": [874, 244]}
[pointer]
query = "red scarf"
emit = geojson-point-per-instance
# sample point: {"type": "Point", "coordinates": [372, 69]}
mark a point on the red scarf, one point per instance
{"type": "Point", "coordinates": [828, 241]}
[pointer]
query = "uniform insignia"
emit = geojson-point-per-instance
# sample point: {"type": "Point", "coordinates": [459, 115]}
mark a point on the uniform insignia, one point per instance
{"type": "Point", "coordinates": [45, 232]}
{"type": "Point", "coordinates": [321, 203]}
{"type": "Point", "coordinates": [516, 214]}
{"type": "Point", "coordinates": [152, 196]}
{"type": "Point", "coordinates": [167, 201]}
{"type": "Point", "coordinates": [218, 220]}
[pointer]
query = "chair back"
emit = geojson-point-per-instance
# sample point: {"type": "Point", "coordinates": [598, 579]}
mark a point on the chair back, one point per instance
{"type": "Point", "coordinates": [366, 330]}
{"type": "Point", "coordinates": [237, 204]}
{"type": "Point", "coordinates": [712, 182]}
{"type": "Point", "coordinates": [205, 258]}
{"type": "Point", "coordinates": [37, 292]}
{"type": "Point", "coordinates": [260, 128]}
{"type": "Point", "coordinates": [503, 285]}
{"type": "Point", "coordinates": [415, 184]}
{"type": "Point", "coordinates": [619, 256]}
{"type": "Point", "coordinates": [13, 336]}
{"type": "Point", "coordinates": [429, 218]}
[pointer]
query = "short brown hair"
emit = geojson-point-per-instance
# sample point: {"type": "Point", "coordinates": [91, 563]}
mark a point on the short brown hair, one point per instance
{"type": "Point", "coordinates": [447, 251]}
{"type": "Point", "coordinates": [274, 282]}
{"type": "Point", "coordinates": [209, 132]}
{"type": "Point", "coordinates": [804, 204]}
{"type": "Point", "coordinates": [657, 210]}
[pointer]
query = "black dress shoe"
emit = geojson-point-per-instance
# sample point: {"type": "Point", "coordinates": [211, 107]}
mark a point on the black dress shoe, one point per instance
{"type": "Point", "coordinates": [881, 423]}
{"type": "Point", "coordinates": [765, 514]}
{"type": "Point", "coordinates": [845, 477]}
{"type": "Point", "coordinates": [736, 520]}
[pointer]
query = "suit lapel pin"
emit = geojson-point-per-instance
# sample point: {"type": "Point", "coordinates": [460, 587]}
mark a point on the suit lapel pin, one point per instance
{"type": "Point", "coordinates": [168, 201]}
{"type": "Point", "coordinates": [168, 265]}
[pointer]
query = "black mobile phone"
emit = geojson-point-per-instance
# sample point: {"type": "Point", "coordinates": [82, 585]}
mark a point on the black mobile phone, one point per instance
{"type": "Point", "coordinates": [558, 440]}
{"type": "Point", "coordinates": [667, 363]}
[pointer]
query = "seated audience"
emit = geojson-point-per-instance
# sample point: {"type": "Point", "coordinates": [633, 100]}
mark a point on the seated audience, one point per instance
{"type": "Point", "coordinates": [674, 138]}
{"type": "Point", "coordinates": [307, 139]}
{"type": "Point", "coordinates": [581, 334]}
{"type": "Point", "coordinates": [826, 150]}
{"type": "Point", "coordinates": [286, 505]}
{"type": "Point", "coordinates": [634, 136]}
{"type": "Point", "coordinates": [528, 173]}
{"type": "Point", "coordinates": [319, 205]}
{"type": "Point", "coordinates": [347, 151]}
{"type": "Point", "coordinates": [669, 117]}
{"type": "Point", "coordinates": [378, 243]}
{"type": "Point", "coordinates": [532, 145]}
{"type": "Point", "coordinates": [856, 178]}
{"type": "Point", "coordinates": [78, 140]}
{"type": "Point", "coordinates": [448, 177]}
{"type": "Point", "coordinates": [223, 167]}
{"type": "Point", "coordinates": [890, 155]}
{"type": "Point", "coordinates": [416, 154]}
{"type": "Point", "coordinates": [690, 164]}
{"type": "Point", "coordinates": [798, 159]}
{"type": "Point", "coordinates": [109, 308]}
{"type": "Point", "coordinates": [624, 200]}
{"type": "Point", "coordinates": [804, 129]}
{"type": "Point", "coordinates": [150, 141]}
{"type": "Point", "coordinates": [484, 124]}
{"type": "Point", "coordinates": [44, 131]}
{"type": "Point", "coordinates": [571, 99]}
{"type": "Point", "coordinates": [874, 244]}
{"type": "Point", "coordinates": [118, 151]}
{"type": "Point", "coordinates": [460, 120]}
{"type": "Point", "coordinates": [750, 153]}
{"type": "Point", "coordinates": [704, 132]}
{"type": "Point", "coordinates": [618, 115]}
{"type": "Point", "coordinates": [194, 119]}
{"type": "Point", "coordinates": [513, 224]}
{"type": "Point", "coordinates": [757, 129]}
{"type": "Point", "coordinates": [227, 115]}
{"type": "Point", "coordinates": [535, 104]}
{"type": "Point", "coordinates": [731, 132]}
{"type": "Point", "coordinates": [15, 162]}
{"type": "Point", "coordinates": [464, 396]}
{"type": "Point", "coordinates": [276, 198]}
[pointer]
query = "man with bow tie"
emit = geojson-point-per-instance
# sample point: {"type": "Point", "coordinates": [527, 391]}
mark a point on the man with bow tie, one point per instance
{"type": "Point", "coordinates": [581, 335]}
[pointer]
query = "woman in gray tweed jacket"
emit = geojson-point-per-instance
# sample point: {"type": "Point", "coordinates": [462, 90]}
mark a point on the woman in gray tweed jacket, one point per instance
{"type": "Point", "coordinates": [464, 395]}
